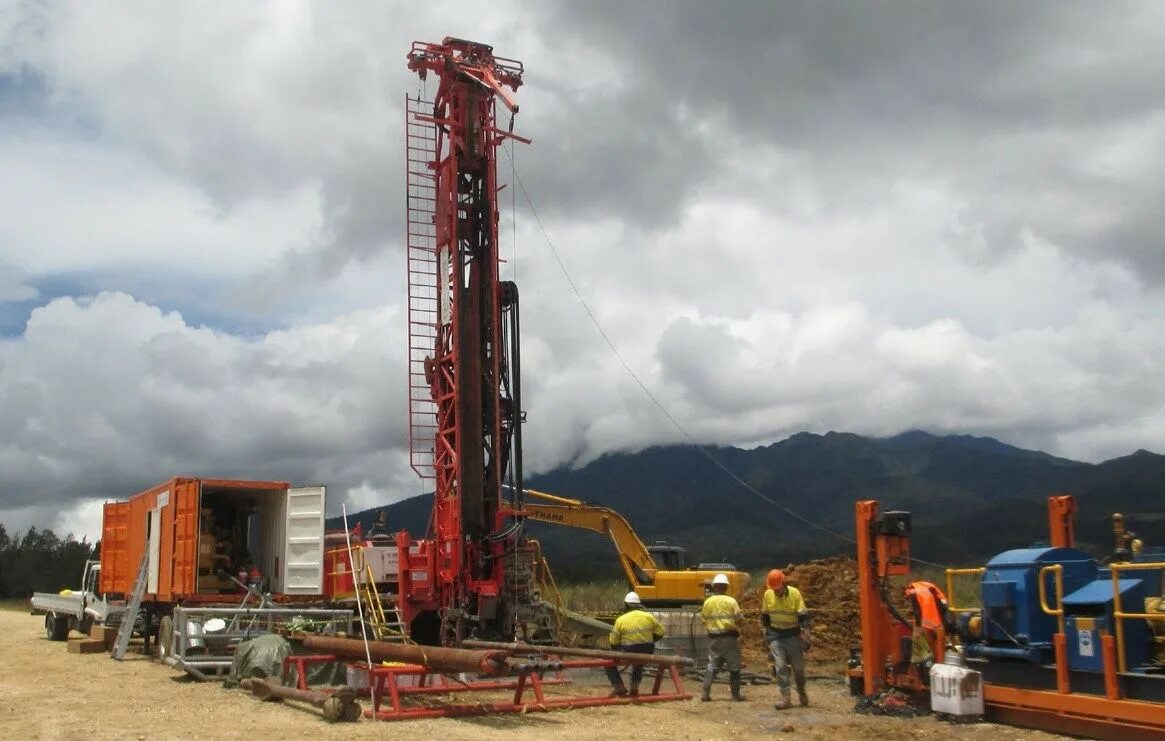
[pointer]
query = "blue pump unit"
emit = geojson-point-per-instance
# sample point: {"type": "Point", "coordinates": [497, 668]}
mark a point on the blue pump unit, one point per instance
{"type": "Point", "coordinates": [1012, 623]}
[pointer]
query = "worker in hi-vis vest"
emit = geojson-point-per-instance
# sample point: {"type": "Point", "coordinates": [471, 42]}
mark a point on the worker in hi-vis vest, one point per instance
{"type": "Point", "coordinates": [722, 617]}
{"type": "Point", "coordinates": [635, 631]}
{"type": "Point", "coordinates": [786, 622]}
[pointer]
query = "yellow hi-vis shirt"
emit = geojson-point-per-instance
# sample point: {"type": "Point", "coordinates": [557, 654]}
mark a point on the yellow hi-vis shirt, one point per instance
{"type": "Point", "coordinates": [635, 627]}
{"type": "Point", "coordinates": [720, 613]}
{"type": "Point", "coordinates": [783, 611]}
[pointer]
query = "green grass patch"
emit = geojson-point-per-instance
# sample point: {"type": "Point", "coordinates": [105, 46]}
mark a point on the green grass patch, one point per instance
{"type": "Point", "coordinates": [593, 596]}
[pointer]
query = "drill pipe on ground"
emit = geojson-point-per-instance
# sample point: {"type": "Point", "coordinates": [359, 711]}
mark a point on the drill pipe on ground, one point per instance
{"type": "Point", "coordinates": [438, 658]}
{"type": "Point", "coordinates": [338, 705]}
{"type": "Point", "coordinates": [592, 653]}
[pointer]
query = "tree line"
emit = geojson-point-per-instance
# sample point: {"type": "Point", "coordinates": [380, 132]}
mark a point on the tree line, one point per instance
{"type": "Point", "coordinates": [41, 561]}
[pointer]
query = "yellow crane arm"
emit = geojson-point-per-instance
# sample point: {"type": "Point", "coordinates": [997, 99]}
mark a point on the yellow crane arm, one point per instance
{"type": "Point", "coordinates": [636, 560]}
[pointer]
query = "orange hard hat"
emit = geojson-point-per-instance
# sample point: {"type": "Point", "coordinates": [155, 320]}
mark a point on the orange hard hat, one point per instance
{"type": "Point", "coordinates": [776, 579]}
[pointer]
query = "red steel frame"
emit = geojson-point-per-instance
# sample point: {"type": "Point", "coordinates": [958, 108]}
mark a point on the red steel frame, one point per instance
{"type": "Point", "coordinates": [385, 680]}
{"type": "Point", "coordinates": [456, 348]}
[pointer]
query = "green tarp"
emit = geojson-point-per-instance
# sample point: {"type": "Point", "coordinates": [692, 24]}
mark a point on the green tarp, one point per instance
{"type": "Point", "coordinates": [263, 657]}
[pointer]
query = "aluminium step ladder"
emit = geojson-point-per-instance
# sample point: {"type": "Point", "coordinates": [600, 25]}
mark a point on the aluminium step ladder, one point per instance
{"type": "Point", "coordinates": [129, 617]}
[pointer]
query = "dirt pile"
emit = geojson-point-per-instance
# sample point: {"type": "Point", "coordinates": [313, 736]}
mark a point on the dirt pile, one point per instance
{"type": "Point", "coordinates": [830, 589]}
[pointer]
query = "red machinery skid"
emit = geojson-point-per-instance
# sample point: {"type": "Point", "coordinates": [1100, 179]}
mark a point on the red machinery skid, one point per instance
{"type": "Point", "coordinates": [391, 692]}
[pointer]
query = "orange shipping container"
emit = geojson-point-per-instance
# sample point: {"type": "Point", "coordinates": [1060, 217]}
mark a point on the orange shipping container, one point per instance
{"type": "Point", "coordinates": [194, 529]}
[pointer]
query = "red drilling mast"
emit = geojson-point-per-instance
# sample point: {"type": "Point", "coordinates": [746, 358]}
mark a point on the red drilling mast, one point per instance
{"type": "Point", "coordinates": [464, 383]}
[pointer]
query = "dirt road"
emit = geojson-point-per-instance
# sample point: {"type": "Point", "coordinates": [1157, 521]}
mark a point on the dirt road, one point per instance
{"type": "Point", "coordinates": [48, 693]}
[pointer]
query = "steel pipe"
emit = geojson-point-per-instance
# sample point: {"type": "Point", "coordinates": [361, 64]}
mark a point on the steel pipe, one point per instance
{"type": "Point", "coordinates": [338, 705]}
{"type": "Point", "coordinates": [438, 658]}
{"type": "Point", "coordinates": [623, 657]}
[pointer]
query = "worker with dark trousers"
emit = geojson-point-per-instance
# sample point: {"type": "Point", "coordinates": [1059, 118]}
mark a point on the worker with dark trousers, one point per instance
{"type": "Point", "coordinates": [636, 632]}
{"type": "Point", "coordinates": [786, 622]}
{"type": "Point", "coordinates": [722, 617]}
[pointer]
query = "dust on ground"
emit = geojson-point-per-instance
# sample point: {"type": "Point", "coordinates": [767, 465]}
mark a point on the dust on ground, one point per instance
{"type": "Point", "coordinates": [49, 693]}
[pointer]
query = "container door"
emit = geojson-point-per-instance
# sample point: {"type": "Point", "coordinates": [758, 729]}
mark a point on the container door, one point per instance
{"type": "Point", "coordinates": [114, 536]}
{"type": "Point", "coordinates": [303, 552]}
{"type": "Point", "coordinates": [154, 544]}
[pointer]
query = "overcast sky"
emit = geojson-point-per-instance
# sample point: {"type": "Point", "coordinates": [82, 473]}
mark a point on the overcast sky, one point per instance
{"type": "Point", "coordinates": [863, 217]}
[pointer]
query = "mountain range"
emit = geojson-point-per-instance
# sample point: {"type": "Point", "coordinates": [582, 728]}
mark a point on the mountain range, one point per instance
{"type": "Point", "coordinates": [970, 497]}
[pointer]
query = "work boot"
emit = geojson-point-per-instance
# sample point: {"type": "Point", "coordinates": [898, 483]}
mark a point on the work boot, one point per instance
{"type": "Point", "coordinates": [785, 702]}
{"type": "Point", "coordinates": [634, 690]}
{"type": "Point", "coordinates": [802, 697]}
{"type": "Point", "coordinates": [618, 691]}
{"type": "Point", "coordinates": [706, 687]}
{"type": "Point", "coordinates": [734, 683]}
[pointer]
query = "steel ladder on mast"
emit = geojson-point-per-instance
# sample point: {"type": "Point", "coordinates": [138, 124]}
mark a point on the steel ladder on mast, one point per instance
{"type": "Point", "coordinates": [425, 273]}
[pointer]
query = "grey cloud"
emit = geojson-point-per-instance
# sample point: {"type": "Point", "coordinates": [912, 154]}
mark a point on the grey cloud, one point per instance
{"type": "Point", "coordinates": [14, 285]}
{"type": "Point", "coordinates": [637, 110]}
{"type": "Point", "coordinates": [998, 102]}
{"type": "Point", "coordinates": [599, 156]}
{"type": "Point", "coordinates": [104, 396]}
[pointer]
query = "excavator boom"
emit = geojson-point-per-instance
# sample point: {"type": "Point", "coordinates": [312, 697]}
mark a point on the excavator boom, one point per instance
{"type": "Point", "coordinates": [655, 586]}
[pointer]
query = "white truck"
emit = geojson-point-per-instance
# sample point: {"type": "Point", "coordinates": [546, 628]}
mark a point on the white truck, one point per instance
{"type": "Point", "coordinates": [74, 609]}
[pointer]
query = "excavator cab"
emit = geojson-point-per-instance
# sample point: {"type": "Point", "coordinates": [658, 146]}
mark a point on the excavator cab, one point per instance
{"type": "Point", "coordinates": [668, 557]}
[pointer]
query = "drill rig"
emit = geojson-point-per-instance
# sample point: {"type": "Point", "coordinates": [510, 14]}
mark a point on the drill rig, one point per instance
{"type": "Point", "coordinates": [471, 574]}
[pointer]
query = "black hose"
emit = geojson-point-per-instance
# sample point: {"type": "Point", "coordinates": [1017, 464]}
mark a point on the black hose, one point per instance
{"type": "Point", "coordinates": [890, 605]}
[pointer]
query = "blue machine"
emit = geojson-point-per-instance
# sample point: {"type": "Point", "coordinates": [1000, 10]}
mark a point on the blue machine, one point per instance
{"type": "Point", "coordinates": [1088, 615]}
{"type": "Point", "coordinates": [1012, 624]}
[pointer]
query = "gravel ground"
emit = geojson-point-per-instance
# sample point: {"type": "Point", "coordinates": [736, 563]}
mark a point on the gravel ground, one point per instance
{"type": "Point", "coordinates": [46, 692]}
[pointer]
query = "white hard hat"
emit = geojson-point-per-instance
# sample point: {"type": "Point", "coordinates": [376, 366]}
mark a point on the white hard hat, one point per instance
{"type": "Point", "coordinates": [720, 579]}
{"type": "Point", "coordinates": [632, 599]}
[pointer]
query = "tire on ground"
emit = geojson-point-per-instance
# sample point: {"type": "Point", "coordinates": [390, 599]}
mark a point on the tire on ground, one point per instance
{"type": "Point", "coordinates": [56, 628]}
{"type": "Point", "coordinates": [165, 637]}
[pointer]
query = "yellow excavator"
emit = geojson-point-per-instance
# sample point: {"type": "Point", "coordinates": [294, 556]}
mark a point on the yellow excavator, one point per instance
{"type": "Point", "coordinates": [674, 585]}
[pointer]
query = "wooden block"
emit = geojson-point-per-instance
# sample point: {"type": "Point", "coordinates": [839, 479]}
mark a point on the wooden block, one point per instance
{"type": "Point", "coordinates": [102, 632]}
{"type": "Point", "coordinates": [106, 635]}
{"type": "Point", "coordinates": [86, 646]}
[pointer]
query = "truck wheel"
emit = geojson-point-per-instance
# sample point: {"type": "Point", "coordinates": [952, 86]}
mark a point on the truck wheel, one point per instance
{"type": "Point", "coordinates": [165, 637]}
{"type": "Point", "coordinates": [56, 628]}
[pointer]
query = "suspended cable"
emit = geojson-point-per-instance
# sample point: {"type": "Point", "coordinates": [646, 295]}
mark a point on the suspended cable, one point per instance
{"type": "Point", "coordinates": [654, 400]}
